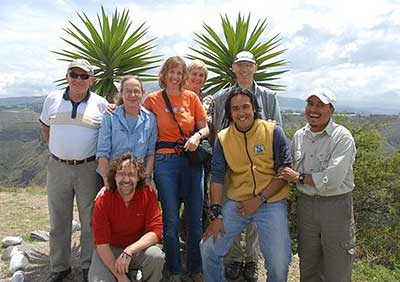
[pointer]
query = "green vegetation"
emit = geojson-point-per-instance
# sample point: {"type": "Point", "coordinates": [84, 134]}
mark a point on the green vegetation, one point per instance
{"type": "Point", "coordinates": [110, 50]}
{"type": "Point", "coordinates": [365, 272]}
{"type": "Point", "coordinates": [218, 53]}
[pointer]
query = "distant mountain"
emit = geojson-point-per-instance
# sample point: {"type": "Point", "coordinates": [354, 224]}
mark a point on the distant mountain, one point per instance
{"type": "Point", "coordinates": [298, 105]}
{"type": "Point", "coordinates": [287, 103]}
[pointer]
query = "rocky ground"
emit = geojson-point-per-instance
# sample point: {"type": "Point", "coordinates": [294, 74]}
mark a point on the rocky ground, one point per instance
{"type": "Point", "coordinates": [19, 222]}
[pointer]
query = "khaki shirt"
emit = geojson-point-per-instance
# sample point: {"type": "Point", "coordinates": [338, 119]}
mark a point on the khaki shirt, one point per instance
{"type": "Point", "coordinates": [328, 157]}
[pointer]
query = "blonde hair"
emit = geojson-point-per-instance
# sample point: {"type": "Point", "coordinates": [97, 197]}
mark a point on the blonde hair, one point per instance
{"type": "Point", "coordinates": [197, 64]}
{"type": "Point", "coordinates": [173, 62]}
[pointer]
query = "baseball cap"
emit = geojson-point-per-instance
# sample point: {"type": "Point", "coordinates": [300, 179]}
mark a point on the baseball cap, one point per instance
{"type": "Point", "coordinates": [324, 94]}
{"type": "Point", "coordinates": [82, 64]}
{"type": "Point", "coordinates": [245, 56]}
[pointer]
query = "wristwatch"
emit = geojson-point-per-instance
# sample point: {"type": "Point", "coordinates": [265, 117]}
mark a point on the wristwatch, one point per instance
{"type": "Point", "coordinates": [262, 198]}
{"type": "Point", "coordinates": [301, 179]}
{"type": "Point", "coordinates": [215, 212]}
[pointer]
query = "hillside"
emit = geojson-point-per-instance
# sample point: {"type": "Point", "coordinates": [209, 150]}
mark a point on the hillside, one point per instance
{"type": "Point", "coordinates": [23, 152]}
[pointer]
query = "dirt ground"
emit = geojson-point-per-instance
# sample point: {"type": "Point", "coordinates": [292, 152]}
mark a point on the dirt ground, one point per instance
{"type": "Point", "coordinates": [22, 212]}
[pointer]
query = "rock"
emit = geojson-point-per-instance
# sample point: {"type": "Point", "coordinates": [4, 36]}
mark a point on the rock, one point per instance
{"type": "Point", "coordinates": [9, 251]}
{"type": "Point", "coordinates": [75, 226]}
{"type": "Point", "coordinates": [19, 261]}
{"type": "Point", "coordinates": [18, 276]}
{"type": "Point", "coordinates": [11, 241]}
{"type": "Point", "coordinates": [40, 235]}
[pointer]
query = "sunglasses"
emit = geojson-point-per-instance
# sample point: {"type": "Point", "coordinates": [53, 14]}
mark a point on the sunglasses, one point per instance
{"type": "Point", "coordinates": [83, 76]}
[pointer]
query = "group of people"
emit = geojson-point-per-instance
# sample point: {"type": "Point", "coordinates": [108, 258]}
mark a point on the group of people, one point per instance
{"type": "Point", "coordinates": [141, 146]}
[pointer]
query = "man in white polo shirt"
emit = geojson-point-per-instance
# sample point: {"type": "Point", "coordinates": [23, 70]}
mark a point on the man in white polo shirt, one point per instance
{"type": "Point", "coordinates": [71, 121]}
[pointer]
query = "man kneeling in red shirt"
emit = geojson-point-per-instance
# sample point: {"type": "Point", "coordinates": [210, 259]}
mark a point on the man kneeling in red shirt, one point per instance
{"type": "Point", "coordinates": [126, 226]}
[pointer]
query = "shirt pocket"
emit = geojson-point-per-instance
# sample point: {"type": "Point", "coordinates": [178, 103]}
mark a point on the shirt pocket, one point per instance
{"type": "Point", "coordinates": [120, 138]}
{"type": "Point", "coordinates": [323, 160]}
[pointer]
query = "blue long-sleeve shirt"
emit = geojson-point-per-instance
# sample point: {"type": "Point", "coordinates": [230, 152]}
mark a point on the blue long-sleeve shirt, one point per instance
{"type": "Point", "coordinates": [116, 136]}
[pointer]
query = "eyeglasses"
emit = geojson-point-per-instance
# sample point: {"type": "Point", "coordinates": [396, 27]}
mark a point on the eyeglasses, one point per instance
{"type": "Point", "coordinates": [83, 76]}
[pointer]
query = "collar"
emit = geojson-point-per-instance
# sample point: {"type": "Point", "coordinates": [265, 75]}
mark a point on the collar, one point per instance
{"type": "Point", "coordinates": [329, 128]}
{"type": "Point", "coordinates": [253, 87]}
{"type": "Point", "coordinates": [250, 131]}
{"type": "Point", "coordinates": [66, 96]}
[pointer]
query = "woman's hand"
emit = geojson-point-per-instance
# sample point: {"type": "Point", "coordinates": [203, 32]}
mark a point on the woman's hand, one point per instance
{"type": "Point", "coordinates": [192, 143]}
{"type": "Point", "coordinates": [101, 192]}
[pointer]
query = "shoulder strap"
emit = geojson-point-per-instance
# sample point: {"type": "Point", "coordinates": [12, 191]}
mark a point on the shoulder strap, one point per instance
{"type": "Point", "coordinates": [169, 106]}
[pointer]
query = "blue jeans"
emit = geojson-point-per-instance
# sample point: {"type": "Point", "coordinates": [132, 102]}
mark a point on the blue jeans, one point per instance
{"type": "Point", "coordinates": [177, 179]}
{"type": "Point", "coordinates": [273, 230]}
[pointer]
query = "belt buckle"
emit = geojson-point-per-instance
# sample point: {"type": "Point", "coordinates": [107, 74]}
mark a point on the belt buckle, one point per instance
{"type": "Point", "coordinates": [74, 162]}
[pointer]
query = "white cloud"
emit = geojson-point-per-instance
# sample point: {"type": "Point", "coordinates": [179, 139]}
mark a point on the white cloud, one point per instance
{"type": "Point", "coordinates": [336, 43]}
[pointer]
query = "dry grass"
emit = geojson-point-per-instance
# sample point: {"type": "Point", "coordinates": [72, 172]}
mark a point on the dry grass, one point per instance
{"type": "Point", "coordinates": [21, 212]}
{"type": "Point", "coordinates": [25, 210]}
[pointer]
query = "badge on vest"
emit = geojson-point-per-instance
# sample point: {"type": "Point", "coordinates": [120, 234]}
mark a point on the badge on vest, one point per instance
{"type": "Point", "coordinates": [259, 148]}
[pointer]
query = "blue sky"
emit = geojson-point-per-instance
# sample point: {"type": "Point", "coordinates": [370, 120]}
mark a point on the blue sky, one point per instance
{"type": "Point", "coordinates": [350, 46]}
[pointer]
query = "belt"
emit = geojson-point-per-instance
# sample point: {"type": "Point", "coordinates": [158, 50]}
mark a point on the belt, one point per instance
{"type": "Point", "coordinates": [74, 162]}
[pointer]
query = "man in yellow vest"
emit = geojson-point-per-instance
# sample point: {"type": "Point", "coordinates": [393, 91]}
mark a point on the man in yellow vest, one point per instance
{"type": "Point", "coordinates": [247, 156]}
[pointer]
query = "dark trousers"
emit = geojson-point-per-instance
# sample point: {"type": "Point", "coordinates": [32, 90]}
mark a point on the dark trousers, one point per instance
{"type": "Point", "coordinates": [326, 237]}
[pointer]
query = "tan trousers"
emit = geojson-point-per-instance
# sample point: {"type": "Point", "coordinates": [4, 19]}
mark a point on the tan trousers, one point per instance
{"type": "Point", "coordinates": [150, 262]}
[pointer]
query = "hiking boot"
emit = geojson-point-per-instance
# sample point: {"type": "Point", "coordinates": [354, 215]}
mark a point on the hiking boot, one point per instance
{"type": "Point", "coordinates": [58, 276]}
{"type": "Point", "coordinates": [250, 271]}
{"type": "Point", "coordinates": [233, 270]}
{"type": "Point", "coordinates": [197, 277]}
{"type": "Point", "coordinates": [85, 273]}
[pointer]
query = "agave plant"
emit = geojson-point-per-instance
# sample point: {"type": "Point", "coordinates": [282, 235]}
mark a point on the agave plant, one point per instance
{"type": "Point", "coordinates": [112, 52]}
{"type": "Point", "coordinates": [218, 53]}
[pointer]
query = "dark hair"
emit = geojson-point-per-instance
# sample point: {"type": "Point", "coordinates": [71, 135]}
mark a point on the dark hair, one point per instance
{"type": "Point", "coordinates": [116, 164]}
{"type": "Point", "coordinates": [119, 100]}
{"type": "Point", "coordinates": [241, 91]}
{"type": "Point", "coordinates": [172, 62]}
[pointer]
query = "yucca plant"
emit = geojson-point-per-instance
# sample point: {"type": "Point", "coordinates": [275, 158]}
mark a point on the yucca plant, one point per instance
{"type": "Point", "coordinates": [218, 53]}
{"type": "Point", "coordinates": [110, 49]}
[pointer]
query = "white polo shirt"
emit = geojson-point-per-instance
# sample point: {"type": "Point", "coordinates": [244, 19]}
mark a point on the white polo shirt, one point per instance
{"type": "Point", "coordinates": [73, 136]}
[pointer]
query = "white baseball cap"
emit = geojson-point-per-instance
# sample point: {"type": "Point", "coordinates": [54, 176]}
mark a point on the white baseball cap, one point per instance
{"type": "Point", "coordinates": [324, 94]}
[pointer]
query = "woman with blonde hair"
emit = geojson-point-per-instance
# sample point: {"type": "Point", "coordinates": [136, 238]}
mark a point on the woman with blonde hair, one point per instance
{"type": "Point", "coordinates": [175, 176]}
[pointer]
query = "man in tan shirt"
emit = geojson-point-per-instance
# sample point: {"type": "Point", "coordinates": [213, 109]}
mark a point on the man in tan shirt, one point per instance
{"type": "Point", "coordinates": [323, 156]}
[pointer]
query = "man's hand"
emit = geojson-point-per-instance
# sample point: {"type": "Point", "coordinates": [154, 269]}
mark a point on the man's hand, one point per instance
{"type": "Point", "coordinates": [110, 108]}
{"type": "Point", "coordinates": [150, 182]}
{"type": "Point", "coordinates": [101, 192]}
{"type": "Point", "coordinates": [288, 174]}
{"type": "Point", "coordinates": [249, 207]}
{"type": "Point", "coordinates": [122, 263]}
{"type": "Point", "coordinates": [123, 278]}
{"type": "Point", "coordinates": [214, 228]}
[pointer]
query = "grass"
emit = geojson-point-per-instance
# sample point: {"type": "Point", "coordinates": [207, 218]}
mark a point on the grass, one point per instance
{"type": "Point", "coordinates": [23, 210]}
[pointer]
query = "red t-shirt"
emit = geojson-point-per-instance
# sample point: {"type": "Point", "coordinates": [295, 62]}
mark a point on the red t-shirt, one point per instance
{"type": "Point", "coordinates": [188, 111]}
{"type": "Point", "coordinates": [120, 226]}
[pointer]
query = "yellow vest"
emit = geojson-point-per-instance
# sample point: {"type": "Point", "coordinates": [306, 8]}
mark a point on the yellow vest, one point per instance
{"type": "Point", "coordinates": [250, 161]}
